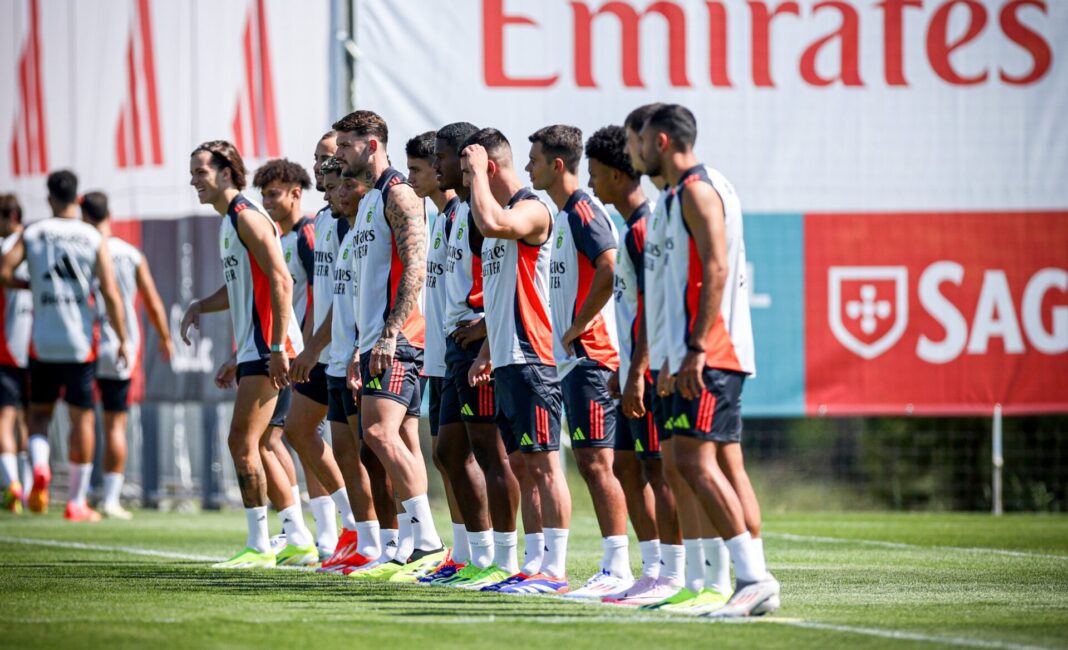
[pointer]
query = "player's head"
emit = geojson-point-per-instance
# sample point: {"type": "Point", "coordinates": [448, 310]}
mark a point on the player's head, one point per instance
{"type": "Point", "coordinates": [281, 182]}
{"type": "Point", "coordinates": [554, 151]}
{"type": "Point", "coordinates": [361, 135]}
{"type": "Point", "coordinates": [330, 170]}
{"type": "Point", "coordinates": [10, 214]}
{"type": "Point", "coordinates": [324, 149]}
{"type": "Point", "coordinates": [447, 153]}
{"type": "Point", "coordinates": [498, 151]}
{"type": "Point", "coordinates": [670, 129]}
{"type": "Point", "coordinates": [62, 190]}
{"type": "Point", "coordinates": [421, 174]}
{"type": "Point", "coordinates": [633, 124]}
{"type": "Point", "coordinates": [95, 208]}
{"type": "Point", "coordinates": [611, 174]}
{"type": "Point", "coordinates": [214, 167]}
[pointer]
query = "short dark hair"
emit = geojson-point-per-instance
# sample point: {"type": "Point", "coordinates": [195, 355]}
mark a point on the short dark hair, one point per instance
{"type": "Point", "coordinates": [95, 207]}
{"type": "Point", "coordinates": [364, 123]}
{"type": "Point", "coordinates": [283, 170]}
{"type": "Point", "coordinates": [636, 118]}
{"type": "Point", "coordinates": [329, 134]}
{"type": "Point", "coordinates": [10, 208]}
{"type": "Point", "coordinates": [490, 138]}
{"type": "Point", "coordinates": [225, 156]}
{"type": "Point", "coordinates": [675, 121]}
{"type": "Point", "coordinates": [421, 146]}
{"type": "Point", "coordinates": [608, 146]}
{"type": "Point", "coordinates": [330, 166]}
{"type": "Point", "coordinates": [561, 141]}
{"type": "Point", "coordinates": [456, 133]}
{"type": "Point", "coordinates": [63, 186]}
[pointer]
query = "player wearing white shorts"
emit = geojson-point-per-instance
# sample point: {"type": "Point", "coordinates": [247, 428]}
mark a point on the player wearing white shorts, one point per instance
{"type": "Point", "coordinates": [133, 275]}
{"type": "Point", "coordinates": [16, 319]}
{"type": "Point", "coordinates": [66, 259]}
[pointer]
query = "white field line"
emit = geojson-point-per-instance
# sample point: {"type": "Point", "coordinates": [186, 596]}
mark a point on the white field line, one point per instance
{"type": "Point", "coordinates": [901, 635]}
{"type": "Point", "coordinates": [131, 550]}
{"type": "Point", "coordinates": [914, 547]}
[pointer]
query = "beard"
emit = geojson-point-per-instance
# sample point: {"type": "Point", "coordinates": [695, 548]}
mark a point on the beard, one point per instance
{"type": "Point", "coordinates": [652, 167]}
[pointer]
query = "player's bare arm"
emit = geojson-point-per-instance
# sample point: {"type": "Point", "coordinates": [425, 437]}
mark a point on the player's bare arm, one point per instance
{"type": "Point", "coordinates": [109, 289]}
{"type": "Point", "coordinates": [300, 369]}
{"type": "Point", "coordinates": [217, 301]}
{"type": "Point", "coordinates": [634, 383]}
{"type": "Point", "coordinates": [482, 368]}
{"type": "Point", "coordinates": [601, 288]}
{"type": "Point", "coordinates": [146, 286]}
{"type": "Point", "coordinates": [702, 210]}
{"type": "Point", "coordinates": [262, 241]}
{"type": "Point", "coordinates": [528, 221]}
{"type": "Point", "coordinates": [10, 262]}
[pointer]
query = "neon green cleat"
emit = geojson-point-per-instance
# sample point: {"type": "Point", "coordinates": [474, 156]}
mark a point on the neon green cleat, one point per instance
{"type": "Point", "coordinates": [248, 558]}
{"type": "Point", "coordinates": [682, 596]}
{"type": "Point", "coordinates": [380, 572]}
{"type": "Point", "coordinates": [421, 563]}
{"type": "Point", "coordinates": [709, 600]}
{"type": "Point", "coordinates": [469, 572]}
{"type": "Point", "coordinates": [293, 555]}
{"type": "Point", "coordinates": [491, 575]}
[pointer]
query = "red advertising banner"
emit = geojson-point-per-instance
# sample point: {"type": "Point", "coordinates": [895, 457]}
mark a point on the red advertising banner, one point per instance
{"type": "Point", "coordinates": [936, 313]}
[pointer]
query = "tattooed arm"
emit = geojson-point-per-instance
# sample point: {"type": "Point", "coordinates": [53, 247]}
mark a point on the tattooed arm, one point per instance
{"type": "Point", "coordinates": [406, 214]}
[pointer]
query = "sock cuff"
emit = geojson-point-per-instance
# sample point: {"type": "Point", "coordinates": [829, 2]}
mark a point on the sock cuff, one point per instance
{"type": "Point", "coordinates": [534, 536]}
{"type": "Point", "coordinates": [505, 538]}
{"type": "Point", "coordinates": [650, 543]}
{"type": "Point", "coordinates": [480, 538]}
{"type": "Point", "coordinates": [322, 500]}
{"type": "Point", "coordinates": [691, 543]}
{"type": "Point", "coordinates": [557, 533]}
{"type": "Point", "coordinates": [615, 541]}
{"type": "Point", "coordinates": [410, 504]}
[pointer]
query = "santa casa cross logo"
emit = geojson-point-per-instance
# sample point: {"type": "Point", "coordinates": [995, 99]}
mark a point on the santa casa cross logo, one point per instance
{"type": "Point", "coordinates": [868, 307]}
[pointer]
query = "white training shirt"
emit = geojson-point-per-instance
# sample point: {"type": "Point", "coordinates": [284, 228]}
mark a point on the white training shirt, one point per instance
{"type": "Point", "coordinates": [16, 315]}
{"type": "Point", "coordinates": [655, 279]}
{"type": "Point", "coordinates": [629, 288]}
{"type": "Point", "coordinates": [343, 322]}
{"type": "Point", "coordinates": [125, 259]}
{"type": "Point", "coordinates": [298, 245]}
{"type": "Point", "coordinates": [434, 289]}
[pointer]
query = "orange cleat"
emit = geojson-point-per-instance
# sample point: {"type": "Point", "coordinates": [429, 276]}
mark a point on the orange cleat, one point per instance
{"type": "Point", "coordinates": [12, 498]}
{"type": "Point", "coordinates": [80, 512]}
{"type": "Point", "coordinates": [38, 501]}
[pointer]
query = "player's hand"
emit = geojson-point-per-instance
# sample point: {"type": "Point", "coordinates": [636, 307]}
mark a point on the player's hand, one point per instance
{"type": "Point", "coordinates": [122, 356]}
{"type": "Point", "coordinates": [354, 376]}
{"type": "Point", "coordinates": [634, 396]}
{"type": "Point", "coordinates": [613, 385]}
{"type": "Point", "coordinates": [166, 348]}
{"type": "Point", "coordinates": [470, 332]}
{"type": "Point", "coordinates": [481, 371]}
{"type": "Point", "coordinates": [227, 374]}
{"type": "Point", "coordinates": [665, 383]}
{"type": "Point", "coordinates": [278, 370]}
{"type": "Point", "coordinates": [300, 369]}
{"type": "Point", "coordinates": [689, 381]}
{"type": "Point", "coordinates": [570, 336]}
{"type": "Point", "coordinates": [475, 158]}
{"type": "Point", "coordinates": [191, 318]}
{"type": "Point", "coordinates": [382, 355]}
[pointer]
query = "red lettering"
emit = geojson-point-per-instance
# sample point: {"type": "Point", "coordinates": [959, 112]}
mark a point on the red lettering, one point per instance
{"type": "Point", "coordinates": [762, 40]}
{"type": "Point", "coordinates": [939, 49]}
{"type": "Point", "coordinates": [717, 44]}
{"type": "Point", "coordinates": [1029, 40]}
{"type": "Point", "coordinates": [848, 35]}
{"type": "Point", "coordinates": [629, 20]}
{"type": "Point", "coordinates": [494, 22]}
{"type": "Point", "coordinates": [894, 38]}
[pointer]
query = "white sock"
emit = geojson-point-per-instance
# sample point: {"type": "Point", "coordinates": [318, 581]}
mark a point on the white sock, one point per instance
{"type": "Point", "coordinates": [672, 557]}
{"type": "Point", "coordinates": [423, 530]}
{"type": "Point", "coordinates": [761, 559]}
{"type": "Point", "coordinates": [405, 536]}
{"type": "Point", "coordinates": [533, 553]}
{"type": "Point", "coordinates": [717, 565]}
{"type": "Point", "coordinates": [325, 514]}
{"type": "Point", "coordinates": [113, 487]}
{"type": "Point", "coordinates": [293, 526]}
{"type": "Point", "coordinates": [27, 472]}
{"type": "Point", "coordinates": [461, 551]}
{"type": "Point", "coordinates": [39, 452]}
{"type": "Point", "coordinates": [341, 500]}
{"type": "Point", "coordinates": [747, 565]}
{"type": "Point", "coordinates": [615, 556]}
{"type": "Point", "coordinates": [505, 553]}
{"type": "Point", "coordinates": [257, 529]}
{"type": "Point", "coordinates": [695, 565]}
{"type": "Point", "coordinates": [79, 482]}
{"type": "Point", "coordinates": [295, 491]}
{"type": "Point", "coordinates": [9, 469]}
{"type": "Point", "coordinates": [387, 541]}
{"type": "Point", "coordinates": [370, 540]}
{"type": "Point", "coordinates": [555, 563]}
{"type": "Point", "coordinates": [650, 550]}
{"type": "Point", "coordinates": [481, 543]}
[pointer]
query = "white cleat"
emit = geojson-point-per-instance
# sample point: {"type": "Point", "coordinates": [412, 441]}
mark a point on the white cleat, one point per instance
{"type": "Point", "coordinates": [753, 599]}
{"type": "Point", "coordinates": [600, 585]}
{"type": "Point", "coordinates": [116, 511]}
{"type": "Point", "coordinates": [646, 591]}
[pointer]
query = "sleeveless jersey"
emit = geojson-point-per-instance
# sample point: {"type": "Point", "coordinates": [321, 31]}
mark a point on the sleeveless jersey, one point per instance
{"type": "Point", "coordinates": [343, 321]}
{"type": "Point", "coordinates": [654, 282]}
{"type": "Point", "coordinates": [249, 290]}
{"type": "Point", "coordinates": [515, 277]}
{"type": "Point", "coordinates": [463, 272]}
{"type": "Point", "coordinates": [729, 343]}
{"type": "Point", "coordinates": [125, 260]}
{"type": "Point", "coordinates": [379, 269]}
{"type": "Point", "coordinates": [629, 285]}
{"type": "Point", "coordinates": [61, 256]}
{"type": "Point", "coordinates": [437, 263]}
{"type": "Point", "coordinates": [326, 246]}
{"type": "Point", "coordinates": [16, 315]}
{"type": "Point", "coordinates": [298, 245]}
{"type": "Point", "coordinates": [582, 231]}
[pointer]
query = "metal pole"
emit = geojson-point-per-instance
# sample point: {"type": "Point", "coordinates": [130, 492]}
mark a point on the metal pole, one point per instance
{"type": "Point", "coordinates": [150, 455]}
{"type": "Point", "coordinates": [998, 461]}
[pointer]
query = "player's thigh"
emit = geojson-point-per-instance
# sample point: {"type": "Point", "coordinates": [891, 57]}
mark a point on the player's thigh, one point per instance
{"type": "Point", "coordinates": [305, 415]}
{"type": "Point", "coordinates": [253, 406]}
{"type": "Point", "coordinates": [381, 417]}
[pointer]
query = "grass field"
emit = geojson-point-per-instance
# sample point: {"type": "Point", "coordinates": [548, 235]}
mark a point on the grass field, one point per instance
{"type": "Point", "coordinates": [850, 580]}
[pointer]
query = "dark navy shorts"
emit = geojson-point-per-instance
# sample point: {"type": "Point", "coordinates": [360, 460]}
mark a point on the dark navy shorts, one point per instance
{"type": "Point", "coordinates": [14, 387]}
{"type": "Point", "coordinates": [529, 406]}
{"type": "Point", "coordinates": [400, 382]}
{"type": "Point", "coordinates": [640, 435]}
{"type": "Point", "coordinates": [114, 394]}
{"type": "Point", "coordinates": [591, 411]}
{"type": "Point", "coordinates": [460, 401]}
{"type": "Point", "coordinates": [74, 380]}
{"type": "Point", "coordinates": [341, 404]}
{"type": "Point", "coordinates": [315, 388]}
{"type": "Point", "coordinates": [716, 415]}
{"type": "Point", "coordinates": [258, 368]}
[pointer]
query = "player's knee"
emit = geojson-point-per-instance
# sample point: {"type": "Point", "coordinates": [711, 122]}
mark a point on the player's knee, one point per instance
{"type": "Point", "coordinates": [626, 472]}
{"type": "Point", "coordinates": [594, 464]}
{"type": "Point", "coordinates": [239, 443]}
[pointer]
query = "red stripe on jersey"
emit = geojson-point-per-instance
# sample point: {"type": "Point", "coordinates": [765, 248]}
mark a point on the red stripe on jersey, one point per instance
{"type": "Point", "coordinates": [309, 234]}
{"type": "Point", "coordinates": [532, 309]}
{"type": "Point", "coordinates": [705, 411]}
{"type": "Point", "coordinates": [585, 212]}
{"type": "Point", "coordinates": [595, 341]}
{"type": "Point", "coordinates": [261, 302]}
{"type": "Point", "coordinates": [414, 326]}
{"type": "Point", "coordinates": [475, 299]}
{"type": "Point", "coordinates": [719, 350]}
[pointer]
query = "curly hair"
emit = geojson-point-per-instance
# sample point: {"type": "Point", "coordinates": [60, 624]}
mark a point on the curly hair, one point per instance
{"type": "Point", "coordinates": [608, 146]}
{"type": "Point", "coordinates": [330, 166]}
{"type": "Point", "coordinates": [282, 170]}
{"type": "Point", "coordinates": [364, 123]}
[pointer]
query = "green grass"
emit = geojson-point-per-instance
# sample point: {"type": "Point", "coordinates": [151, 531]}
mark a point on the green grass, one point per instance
{"type": "Point", "coordinates": [973, 595]}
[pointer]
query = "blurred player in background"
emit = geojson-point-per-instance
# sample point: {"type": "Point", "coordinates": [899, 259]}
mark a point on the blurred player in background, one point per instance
{"type": "Point", "coordinates": [16, 318]}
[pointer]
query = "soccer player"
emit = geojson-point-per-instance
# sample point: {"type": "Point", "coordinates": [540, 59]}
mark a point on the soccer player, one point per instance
{"type": "Point", "coordinates": [16, 319]}
{"type": "Point", "coordinates": [584, 339]}
{"type": "Point", "coordinates": [710, 348]}
{"type": "Point", "coordinates": [637, 461]}
{"type": "Point", "coordinates": [390, 233]}
{"type": "Point", "coordinates": [449, 442]}
{"type": "Point", "coordinates": [66, 258]}
{"type": "Point", "coordinates": [258, 293]}
{"type": "Point", "coordinates": [133, 275]}
{"type": "Point", "coordinates": [518, 349]}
